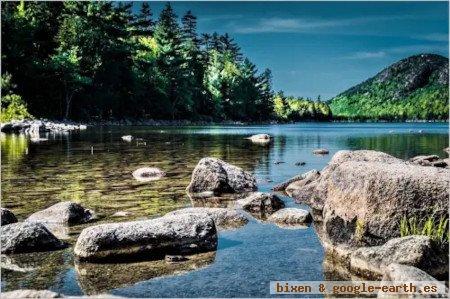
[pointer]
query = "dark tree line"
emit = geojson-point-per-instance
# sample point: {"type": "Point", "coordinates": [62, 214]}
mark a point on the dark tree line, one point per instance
{"type": "Point", "coordinates": [99, 60]}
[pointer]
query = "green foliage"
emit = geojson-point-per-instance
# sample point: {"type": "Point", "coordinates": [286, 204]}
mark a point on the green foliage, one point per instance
{"type": "Point", "coordinates": [12, 105]}
{"type": "Point", "coordinates": [100, 60]}
{"type": "Point", "coordinates": [437, 230]}
{"type": "Point", "coordinates": [298, 109]}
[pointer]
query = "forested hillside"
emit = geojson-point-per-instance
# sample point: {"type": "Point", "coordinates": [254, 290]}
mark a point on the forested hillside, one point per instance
{"type": "Point", "coordinates": [413, 88]}
{"type": "Point", "coordinates": [99, 60]}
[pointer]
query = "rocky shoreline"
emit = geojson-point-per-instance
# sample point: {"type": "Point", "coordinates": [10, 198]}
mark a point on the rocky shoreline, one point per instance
{"type": "Point", "coordinates": [358, 202]}
{"type": "Point", "coordinates": [35, 127]}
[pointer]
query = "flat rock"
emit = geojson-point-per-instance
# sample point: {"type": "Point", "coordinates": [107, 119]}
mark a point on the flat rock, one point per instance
{"type": "Point", "coordinates": [24, 237]}
{"type": "Point", "coordinates": [290, 217]}
{"type": "Point", "coordinates": [148, 239]}
{"type": "Point", "coordinates": [65, 213]}
{"type": "Point", "coordinates": [30, 294]}
{"type": "Point", "coordinates": [147, 174]}
{"type": "Point", "coordinates": [212, 174]}
{"type": "Point", "coordinates": [417, 251]}
{"type": "Point", "coordinates": [259, 202]}
{"type": "Point", "coordinates": [223, 217]}
{"type": "Point", "coordinates": [7, 216]}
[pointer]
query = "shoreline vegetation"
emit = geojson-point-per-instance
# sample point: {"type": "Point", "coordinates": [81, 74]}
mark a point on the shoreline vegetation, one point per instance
{"type": "Point", "coordinates": [163, 69]}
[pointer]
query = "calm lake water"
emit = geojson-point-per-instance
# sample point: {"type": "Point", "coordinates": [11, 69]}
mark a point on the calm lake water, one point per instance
{"type": "Point", "coordinates": [37, 175]}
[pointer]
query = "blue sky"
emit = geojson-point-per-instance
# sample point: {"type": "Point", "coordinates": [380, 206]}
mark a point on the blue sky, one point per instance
{"type": "Point", "coordinates": [324, 48]}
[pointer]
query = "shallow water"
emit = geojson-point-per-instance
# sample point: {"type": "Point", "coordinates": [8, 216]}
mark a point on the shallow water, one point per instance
{"type": "Point", "coordinates": [94, 168]}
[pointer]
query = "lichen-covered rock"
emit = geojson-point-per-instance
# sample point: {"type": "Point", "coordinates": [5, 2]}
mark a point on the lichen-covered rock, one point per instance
{"type": "Point", "coordinates": [148, 239]}
{"type": "Point", "coordinates": [66, 213]}
{"type": "Point", "coordinates": [365, 194]}
{"type": "Point", "coordinates": [19, 294]}
{"type": "Point", "coordinates": [7, 216]}
{"type": "Point", "coordinates": [223, 217]}
{"type": "Point", "coordinates": [212, 174]}
{"type": "Point", "coordinates": [148, 174]}
{"type": "Point", "coordinates": [417, 251]}
{"type": "Point", "coordinates": [290, 216]}
{"type": "Point", "coordinates": [259, 202]}
{"type": "Point", "coordinates": [260, 138]}
{"type": "Point", "coordinates": [24, 237]}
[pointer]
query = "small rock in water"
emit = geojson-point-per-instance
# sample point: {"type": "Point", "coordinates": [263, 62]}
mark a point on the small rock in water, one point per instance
{"type": "Point", "coordinates": [147, 174]}
{"type": "Point", "coordinates": [260, 202]}
{"type": "Point", "coordinates": [391, 131]}
{"type": "Point", "coordinates": [127, 138]}
{"type": "Point", "coordinates": [291, 216]}
{"type": "Point", "coordinates": [420, 131]}
{"type": "Point", "coordinates": [260, 138]}
{"type": "Point", "coordinates": [7, 217]}
{"type": "Point", "coordinates": [175, 258]}
{"type": "Point", "coordinates": [321, 151]}
{"type": "Point", "coordinates": [300, 163]}
{"type": "Point", "coordinates": [278, 162]}
{"type": "Point", "coordinates": [122, 214]}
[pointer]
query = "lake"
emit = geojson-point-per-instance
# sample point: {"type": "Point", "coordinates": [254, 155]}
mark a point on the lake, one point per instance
{"type": "Point", "coordinates": [93, 167]}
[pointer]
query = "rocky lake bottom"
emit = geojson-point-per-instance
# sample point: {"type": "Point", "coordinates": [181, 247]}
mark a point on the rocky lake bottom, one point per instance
{"type": "Point", "coordinates": [94, 168]}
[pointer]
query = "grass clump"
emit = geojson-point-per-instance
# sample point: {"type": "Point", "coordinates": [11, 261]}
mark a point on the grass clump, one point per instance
{"type": "Point", "coordinates": [436, 229]}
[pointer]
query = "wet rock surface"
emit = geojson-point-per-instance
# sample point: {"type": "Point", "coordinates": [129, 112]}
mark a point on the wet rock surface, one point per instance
{"type": "Point", "coordinates": [7, 216]}
{"type": "Point", "coordinates": [212, 174]}
{"type": "Point", "coordinates": [22, 237]}
{"type": "Point", "coordinates": [223, 217]}
{"type": "Point", "coordinates": [64, 213]}
{"type": "Point", "coordinates": [147, 239]}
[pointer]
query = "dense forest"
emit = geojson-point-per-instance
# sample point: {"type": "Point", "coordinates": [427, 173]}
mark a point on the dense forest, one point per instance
{"type": "Point", "coordinates": [413, 88]}
{"type": "Point", "coordinates": [102, 61]}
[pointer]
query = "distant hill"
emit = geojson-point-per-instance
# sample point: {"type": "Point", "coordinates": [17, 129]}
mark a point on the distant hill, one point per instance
{"type": "Point", "coordinates": [412, 88]}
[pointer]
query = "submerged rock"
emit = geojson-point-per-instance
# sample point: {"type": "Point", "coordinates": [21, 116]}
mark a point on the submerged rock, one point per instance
{"type": "Point", "coordinates": [260, 138]}
{"type": "Point", "coordinates": [223, 217]}
{"type": "Point", "coordinates": [24, 237]}
{"type": "Point", "coordinates": [417, 251]}
{"type": "Point", "coordinates": [259, 202]}
{"type": "Point", "coordinates": [179, 234]}
{"type": "Point", "coordinates": [212, 174]}
{"type": "Point", "coordinates": [321, 151]}
{"type": "Point", "coordinates": [65, 213]}
{"type": "Point", "coordinates": [290, 217]}
{"type": "Point", "coordinates": [147, 174]}
{"type": "Point", "coordinates": [7, 216]}
{"type": "Point", "coordinates": [97, 278]}
{"type": "Point", "coordinates": [30, 294]}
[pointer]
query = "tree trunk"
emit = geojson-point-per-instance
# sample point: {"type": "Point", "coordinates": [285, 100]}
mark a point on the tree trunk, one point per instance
{"type": "Point", "coordinates": [69, 97]}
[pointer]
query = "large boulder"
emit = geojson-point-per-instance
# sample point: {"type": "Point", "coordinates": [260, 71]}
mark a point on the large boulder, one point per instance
{"type": "Point", "coordinates": [259, 202]}
{"type": "Point", "coordinates": [212, 174]}
{"type": "Point", "coordinates": [417, 251]}
{"type": "Point", "coordinates": [24, 237]}
{"type": "Point", "coordinates": [365, 194]}
{"type": "Point", "coordinates": [148, 239]}
{"type": "Point", "coordinates": [7, 216]}
{"type": "Point", "coordinates": [290, 217]}
{"type": "Point", "coordinates": [66, 213]}
{"type": "Point", "coordinates": [223, 217]}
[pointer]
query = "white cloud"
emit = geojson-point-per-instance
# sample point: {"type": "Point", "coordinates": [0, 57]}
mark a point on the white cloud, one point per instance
{"type": "Point", "coordinates": [434, 37]}
{"type": "Point", "coordinates": [403, 50]}
{"type": "Point", "coordinates": [307, 24]}
{"type": "Point", "coordinates": [366, 55]}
